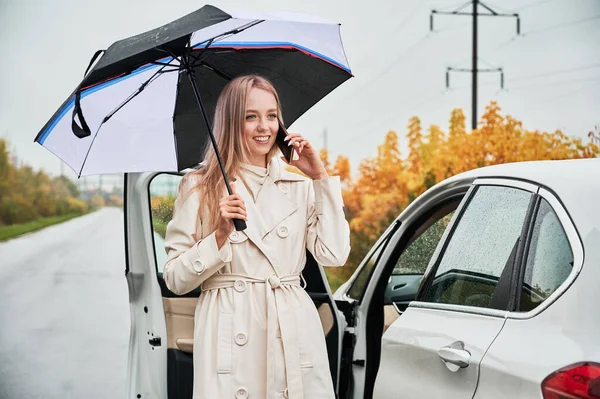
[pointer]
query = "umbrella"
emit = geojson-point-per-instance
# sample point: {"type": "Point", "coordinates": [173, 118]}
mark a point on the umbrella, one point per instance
{"type": "Point", "coordinates": [148, 102]}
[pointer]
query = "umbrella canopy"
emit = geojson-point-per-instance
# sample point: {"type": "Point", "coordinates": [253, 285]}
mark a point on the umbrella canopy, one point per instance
{"type": "Point", "coordinates": [138, 110]}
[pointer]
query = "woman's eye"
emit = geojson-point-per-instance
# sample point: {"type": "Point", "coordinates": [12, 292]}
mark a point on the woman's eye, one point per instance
{"type": "Point", "coordinates": [249, 117]}
{"type": "Point", "coordinates": [272, 116]}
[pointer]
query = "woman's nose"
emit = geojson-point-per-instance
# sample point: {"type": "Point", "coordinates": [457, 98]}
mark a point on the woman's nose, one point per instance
{"type": "Point", "coordinates": [261, 124]}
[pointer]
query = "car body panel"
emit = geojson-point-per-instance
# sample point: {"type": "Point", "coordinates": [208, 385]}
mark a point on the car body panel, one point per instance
{"type": "Point", "coordinates": [410, 360]}
{"type": "Point", "coordinates": [562, 331]}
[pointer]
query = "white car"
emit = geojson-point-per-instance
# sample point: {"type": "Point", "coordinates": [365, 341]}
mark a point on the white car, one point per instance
{"type": "Point", "coordinates": [486, 286]}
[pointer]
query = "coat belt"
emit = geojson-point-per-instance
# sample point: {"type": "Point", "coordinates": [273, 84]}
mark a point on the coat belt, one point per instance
{"type": "Point", "coordinates": [286, 321]}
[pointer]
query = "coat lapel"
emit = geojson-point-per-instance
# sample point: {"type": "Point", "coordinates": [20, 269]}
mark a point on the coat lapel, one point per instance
{"type": "Point", "coordinates": [255, 222]}
{"type": "Point", "coordinates": [272, 206]}
{"type": "Point", "coordinates": [275, 201]}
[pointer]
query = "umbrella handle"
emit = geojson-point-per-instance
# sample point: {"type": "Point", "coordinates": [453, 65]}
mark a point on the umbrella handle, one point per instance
{"type": "Point", "coordinates": [239, 224]}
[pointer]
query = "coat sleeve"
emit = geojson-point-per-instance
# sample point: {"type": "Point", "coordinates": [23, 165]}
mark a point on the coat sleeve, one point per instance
{"type": "Point", "coordinates": [327, 231]}
{"type": "Point", "coordinates": [190, 259]}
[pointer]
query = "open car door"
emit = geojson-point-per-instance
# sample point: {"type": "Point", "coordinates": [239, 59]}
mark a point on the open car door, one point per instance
{"type": "Point", "coordinates": [386, 282]}
{"type": "Point", "coordinates": [162, 324]}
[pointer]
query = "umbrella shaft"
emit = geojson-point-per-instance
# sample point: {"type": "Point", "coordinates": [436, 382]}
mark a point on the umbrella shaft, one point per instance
{"type": "Point", "coordinates": [239, 224]}
{"type": "Point", "coordinates": [192, 77]}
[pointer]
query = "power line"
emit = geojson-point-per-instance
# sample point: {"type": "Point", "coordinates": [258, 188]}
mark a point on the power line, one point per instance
{"type": "Point", "coordinates": [564, 95]}
{"type": "Point", "coordinates": [393, 64]}
{"type": "Point", "coordinates": [542, 84]}
{"type": "Point", "coordinates": [530, 5]}
{"type": "Point", "coordinates": [404, 23]}
{"type": "Point", "coordinates": [538, 31]}
{"type": "Point", "coordinates": [401, 25]}
{"type": "Point", "coordinates": [560, 26]}
{"type": "Point", "coordinates": [557, 72]}
{"type": "Point", "coordinates": [555, 83]}
{"type": "Point", "coordinates": [485, 62]}
{"type": "Point", "coordinates": [570, 93]}
{"type": "Point", "coordinates": [534, 4]}
{"type": "Point", "coordinates": [383, 119]}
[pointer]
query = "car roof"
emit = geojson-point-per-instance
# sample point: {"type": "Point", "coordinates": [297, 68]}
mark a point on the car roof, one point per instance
{"type": "Point", "coordinates": [556, 175]}
{"type": "Point", "coordinates": [575, 182]}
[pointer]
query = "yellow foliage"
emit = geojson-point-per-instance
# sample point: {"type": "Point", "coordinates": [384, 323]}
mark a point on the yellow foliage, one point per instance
{"type": "Point", "coordinates": [387, 183]}
{"type": "Point", "coordinates": [75, 205]}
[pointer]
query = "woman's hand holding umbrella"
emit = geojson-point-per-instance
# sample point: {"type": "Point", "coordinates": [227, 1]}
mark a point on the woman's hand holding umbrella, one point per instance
{"type": "Point", "coordinates": [230, 207]}
{"type": "Point", "coordinates": [308, 160]}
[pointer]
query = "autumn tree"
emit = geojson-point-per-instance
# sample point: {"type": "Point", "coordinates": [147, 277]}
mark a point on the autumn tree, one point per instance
{"type": "Point", "coordinates": [387, 183]}
{"type": "Point", "coordinates": [26, 194]}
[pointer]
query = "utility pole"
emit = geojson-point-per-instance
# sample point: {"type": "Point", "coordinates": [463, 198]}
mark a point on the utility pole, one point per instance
{"type": "Point", "coordinates": [594, 135]}
{"type": "Point", "coordinates": [474, 70]}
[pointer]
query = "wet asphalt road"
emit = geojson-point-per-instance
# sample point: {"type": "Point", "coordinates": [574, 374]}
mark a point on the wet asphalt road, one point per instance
{"type": "Point", "coordinates": [64, 316]}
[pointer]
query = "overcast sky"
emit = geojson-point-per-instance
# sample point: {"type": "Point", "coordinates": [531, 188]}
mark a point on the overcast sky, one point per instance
{"type": "Point", "coordinates": [552, 71]}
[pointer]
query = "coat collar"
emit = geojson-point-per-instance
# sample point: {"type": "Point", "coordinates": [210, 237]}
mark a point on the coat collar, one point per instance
{"type": "Point", "coordinates": [278, 172]}
{"type": "Point", "coordinates": [272, 206]}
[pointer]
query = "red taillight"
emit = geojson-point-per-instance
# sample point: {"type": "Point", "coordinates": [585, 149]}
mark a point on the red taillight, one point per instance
{"type": "Point", "coordinates": [579, 381]}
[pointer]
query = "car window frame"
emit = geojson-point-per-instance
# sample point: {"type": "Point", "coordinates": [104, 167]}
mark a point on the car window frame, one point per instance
{"type": "Point", "coordinates": [508, 294]}
{"type": "Point", "coordinates": [576, 247]}
{"type": "Point", "coordinates": [376, 250]}
{"type": "Point", "coordinates": [166, 293]}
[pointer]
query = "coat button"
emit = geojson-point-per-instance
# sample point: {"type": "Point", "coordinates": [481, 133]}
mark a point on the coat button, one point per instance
{"type": "Point", "coordinates": [241, 339]}
{"type": "Point", "coordinates": [241, 393]}
{"type": "Point", "coordinates": [282, 231]}
{"type": "Point", "coordinates": [234, 236]}
{"type": "Point", "coordinates": [284, 188]}
{"type": "Point", "coordinates": [239, 285]}
{"type": "Point", "coordinates": [198, 266]}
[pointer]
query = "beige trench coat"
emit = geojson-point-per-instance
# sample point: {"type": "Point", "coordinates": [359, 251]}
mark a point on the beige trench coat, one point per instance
{"type": "Point", "coordinates": [257, 332]}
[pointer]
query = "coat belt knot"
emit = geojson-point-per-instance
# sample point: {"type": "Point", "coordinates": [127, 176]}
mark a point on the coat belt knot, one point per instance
{"type": "Point", "coordinates": [274, 281]}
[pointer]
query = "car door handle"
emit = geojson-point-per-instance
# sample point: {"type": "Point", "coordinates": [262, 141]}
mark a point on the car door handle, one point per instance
{"type": "Point", "coordinates": [455, 356]}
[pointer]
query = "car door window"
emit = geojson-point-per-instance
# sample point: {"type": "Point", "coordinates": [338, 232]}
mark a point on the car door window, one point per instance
{"type": "Point", "coordinates": [357, 288]}
{"type": "Point", "coordinates": [549, 259]}
{"type": "Point", "coordinates": [163, 191]}
{"type": "Point", "coordinates": [415, 258]}
{"type": "Point", "coordinates": [483, 243]}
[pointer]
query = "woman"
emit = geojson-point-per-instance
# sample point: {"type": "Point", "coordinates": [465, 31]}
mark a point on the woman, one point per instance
{"type": "Point", "coordinates": [257, 333]}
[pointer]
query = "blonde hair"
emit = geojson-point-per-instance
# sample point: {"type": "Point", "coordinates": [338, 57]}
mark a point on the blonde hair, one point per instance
{"type": "Point", "coordinates": [228, 128]}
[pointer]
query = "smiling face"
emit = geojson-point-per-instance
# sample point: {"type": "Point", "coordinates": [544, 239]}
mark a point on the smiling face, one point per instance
{"type": "Point", "coordinates": [260, 125]}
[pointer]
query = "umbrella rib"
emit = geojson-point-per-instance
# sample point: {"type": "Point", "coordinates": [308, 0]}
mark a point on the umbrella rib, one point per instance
{"type": "Point", "coordinates": [170, 70]}
{"type": "Point", "coordinates": [215, 70]}
{"type": "Point", "coordinates": [119, 107]}
{"type": "Point", "coordinates": [133, 95]}
{"type": "Point", "coordinates": [161, 63]}
{"type": "Point", "coordinates": [88, 151]}
{"type": "Point", "coordinates": [209, 42]}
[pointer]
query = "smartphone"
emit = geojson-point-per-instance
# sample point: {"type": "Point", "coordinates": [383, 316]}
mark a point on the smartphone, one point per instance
{"type": "Point", "coordinates": [287, 150]}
